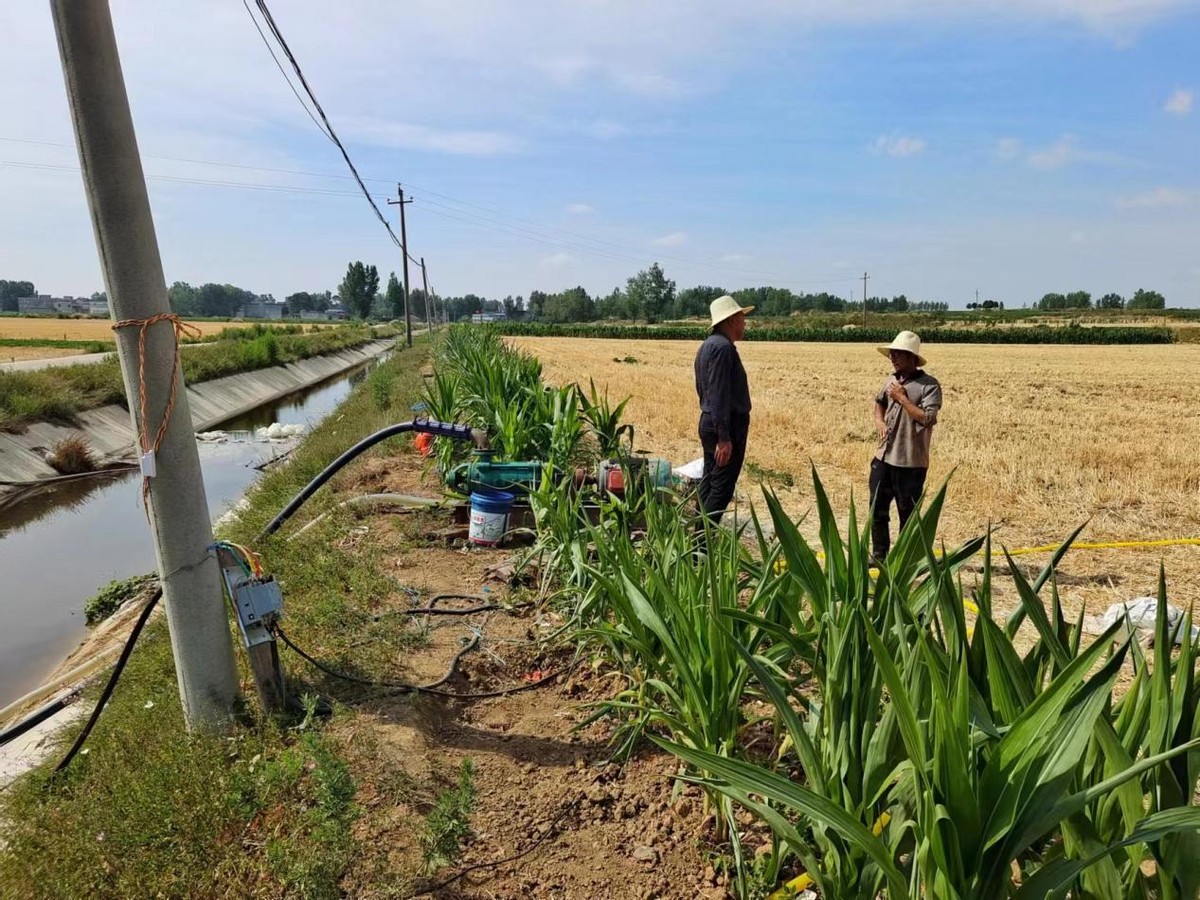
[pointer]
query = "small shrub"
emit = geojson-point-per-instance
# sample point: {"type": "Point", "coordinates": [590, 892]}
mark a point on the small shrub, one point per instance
{"type": "Point", "coordinates": [113, 596]}
{"type": "Point", "coordinates": [72, 456]}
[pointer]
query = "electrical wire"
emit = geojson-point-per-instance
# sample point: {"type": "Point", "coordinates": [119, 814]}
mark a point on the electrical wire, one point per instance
{"type": "Point", "coordinates": [282, 71]}
{"type": "Point", "coordinates": [431, 687]}
{"type": "Point", "coordinates": [332, 135]}
{"type": "Point", "coordinates": [112, 680]}
{"type": "Point", "coordinates": [534, 228]}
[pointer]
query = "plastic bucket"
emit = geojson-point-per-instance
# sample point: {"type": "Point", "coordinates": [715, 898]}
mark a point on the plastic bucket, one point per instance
{"type": "Point", "coordinates": [489, 516]}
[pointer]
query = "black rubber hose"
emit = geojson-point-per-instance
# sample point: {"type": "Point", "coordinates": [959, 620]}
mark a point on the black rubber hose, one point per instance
{"type": "Point", "coordinates": [112, 679]}
{"type": "Point", "coordinates": [426, 426]}
{"type": "Point", "coordinates": [26, 725]}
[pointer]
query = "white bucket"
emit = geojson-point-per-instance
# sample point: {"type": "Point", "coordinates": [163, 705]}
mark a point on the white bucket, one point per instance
{"type": "Point", "coordinates": [489, 517]}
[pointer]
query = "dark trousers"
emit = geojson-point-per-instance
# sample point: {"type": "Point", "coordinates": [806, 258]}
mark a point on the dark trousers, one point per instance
{"type": "Point", "coordinates": [890, 483]}
{"type": "Point", "coordinates": [718, 483]}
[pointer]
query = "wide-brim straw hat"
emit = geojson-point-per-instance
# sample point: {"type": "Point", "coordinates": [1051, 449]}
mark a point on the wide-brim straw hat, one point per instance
{"type": "Point", "coordinates": [909, 342]}
{"type": "Point", "coordinates": [726, 307]}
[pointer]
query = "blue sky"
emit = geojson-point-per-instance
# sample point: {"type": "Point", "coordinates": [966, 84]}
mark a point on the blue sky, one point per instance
{"type": "Point", "coordinates": [1012, 147]}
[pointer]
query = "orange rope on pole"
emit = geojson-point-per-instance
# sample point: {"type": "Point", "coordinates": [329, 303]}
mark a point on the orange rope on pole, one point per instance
{"type": "Point", "coordinates": [148, 448]}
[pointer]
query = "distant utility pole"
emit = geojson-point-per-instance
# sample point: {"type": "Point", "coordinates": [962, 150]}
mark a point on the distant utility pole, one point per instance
{"type": "Point", "coordinates": [404, 250]}
{"type": "Point", "coordinates": [977, 297]}
{"type": "Point", "coordinates": [137, 291]}
{"type": "Point", "coordinates": [865, 277]}
{"type": "Point", "coordinates": [430, 307]}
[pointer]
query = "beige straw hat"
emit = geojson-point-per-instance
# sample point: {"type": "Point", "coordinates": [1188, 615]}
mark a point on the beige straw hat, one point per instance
{"type": "Point", "coordinates": [907, 341]}
{"type": "Point", "coordinates": [724, 307]}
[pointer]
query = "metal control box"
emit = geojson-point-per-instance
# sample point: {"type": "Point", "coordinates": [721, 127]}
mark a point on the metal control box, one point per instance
{"type": "Point", "coordinates": [258, 600]}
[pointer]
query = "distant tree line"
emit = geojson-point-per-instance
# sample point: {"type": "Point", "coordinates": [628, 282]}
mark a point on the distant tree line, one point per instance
{"type": "Point", "coordinates": [11, 290]}
{"type": "Point", "coordinates": [649, 296]}
{"type": "Point", "coordinates": [1083, 300]}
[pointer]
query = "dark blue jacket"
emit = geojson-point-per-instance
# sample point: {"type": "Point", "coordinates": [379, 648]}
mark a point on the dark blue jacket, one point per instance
{"type": "Point", "coordinates": [721, 383]}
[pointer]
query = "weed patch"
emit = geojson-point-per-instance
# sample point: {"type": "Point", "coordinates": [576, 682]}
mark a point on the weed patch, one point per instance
{"type": "Point", "coordinates": [448, 824]}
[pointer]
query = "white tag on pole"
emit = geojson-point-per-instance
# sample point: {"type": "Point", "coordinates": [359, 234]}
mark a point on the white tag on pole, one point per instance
{"type": "Point", "coordinates": [147, 464]}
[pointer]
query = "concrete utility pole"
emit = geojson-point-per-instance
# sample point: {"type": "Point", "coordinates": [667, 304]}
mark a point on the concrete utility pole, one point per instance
{"type": "Point", "coordinates": [430, 306]}
{"type": "Point", "coordinates": [133, 277]}
{"type": "Point", "coordinates": [404, 251]}
{"type": "Point", "coordinates": [865, 277]}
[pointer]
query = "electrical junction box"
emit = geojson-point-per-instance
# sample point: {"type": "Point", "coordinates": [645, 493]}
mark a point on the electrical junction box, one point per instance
{"type": "Point", "coordinates": [256, 602]}
{"type": "Point", "coordinates": [259, 600]}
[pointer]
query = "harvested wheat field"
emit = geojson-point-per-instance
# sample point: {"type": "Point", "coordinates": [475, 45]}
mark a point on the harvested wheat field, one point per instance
{"type": "Point", "coordinates": [1040, 439]}
{"type": "Point", "coordinates": [52, 329]}
{"type": "Point", "coordinates": [16, 354]}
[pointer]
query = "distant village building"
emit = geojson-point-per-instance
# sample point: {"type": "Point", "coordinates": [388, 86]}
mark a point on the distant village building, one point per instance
{"type": "Point", "coordinates": [487, 317]}
{"type": "Point", "coordinates": [260, 310]}
{"type": "Point", "coordinates": [98, 308]}
{"type": "Point", "coordinates": [46, 305]}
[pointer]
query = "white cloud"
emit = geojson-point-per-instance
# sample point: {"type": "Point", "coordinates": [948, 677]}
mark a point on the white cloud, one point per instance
{"type": "Point", "coordinates": [1056, 155]}
{"type": "Point", "coordinates": [1179, 103]}
{"type": "Point", "coordinates": [579, 209]}
{"type": "Point", "coordinates": [605, 130]}
{"type": "Point", "coordinates": [674, 239]}
{"type": "Point", "coordinates": [1159, 198]}
{"type": "Point", "coordinates": [1063, 151]}
{"type": "Point", "coordinates": [734, 257]}
{"type": "Point", "coordinates": [556, 260]}
{"type": "Point", "coordinates": [421, 137]}
{"type": "Point", "coordinates": [1008, 148]}
{"type": "Point", "coordinates": [898, 146]}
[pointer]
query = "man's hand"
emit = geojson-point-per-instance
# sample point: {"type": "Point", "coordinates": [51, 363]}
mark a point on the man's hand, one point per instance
{"type": "Point", "coordinates": [897, 392]}
{"type": "Point", "coordinates": [724, 452]}
{"type": "Point", "coordinates": [881, 430]}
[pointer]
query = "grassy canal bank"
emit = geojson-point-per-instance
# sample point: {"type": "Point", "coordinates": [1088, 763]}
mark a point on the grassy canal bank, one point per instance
{"type": "Point", "coordinates": [59, 394]}
{"type": "Point", "coordinates": [266, 811]}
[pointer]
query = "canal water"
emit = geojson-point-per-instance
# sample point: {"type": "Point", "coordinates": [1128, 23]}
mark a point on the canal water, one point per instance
{"type": "Point", "coordinates": [59, 548]}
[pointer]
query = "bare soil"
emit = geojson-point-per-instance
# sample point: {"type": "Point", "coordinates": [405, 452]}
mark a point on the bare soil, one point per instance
{"type": "Point", "coordinates": [578, 825]}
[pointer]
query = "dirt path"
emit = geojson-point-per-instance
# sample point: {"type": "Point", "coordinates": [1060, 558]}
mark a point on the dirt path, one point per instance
{"type": "Point", "coordinates": [586, 828]}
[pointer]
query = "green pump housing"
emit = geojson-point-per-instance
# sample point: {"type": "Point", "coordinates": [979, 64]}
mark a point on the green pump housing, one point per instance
{"type": "Point", "coordinates": [484, 472]}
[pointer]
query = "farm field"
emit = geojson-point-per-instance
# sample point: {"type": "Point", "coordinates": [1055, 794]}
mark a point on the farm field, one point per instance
{"type": "Point", "coordinates": [1040, 440]}
{"type": "Point", "coordinates": [45, 327]}
{"type": "Point", "coordinates": [15, 354]}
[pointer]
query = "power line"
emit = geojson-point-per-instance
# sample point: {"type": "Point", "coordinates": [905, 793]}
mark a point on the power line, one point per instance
{"type": "Point", "coordinates": [279, 66]}
{"type": "Point", "coordinates": [543, 234]}
{"type": "Point", "coordinates": [278, 35]}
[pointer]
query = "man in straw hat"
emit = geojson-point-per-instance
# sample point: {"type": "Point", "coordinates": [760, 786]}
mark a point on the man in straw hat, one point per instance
{"type": "Point", "coordinates": [905, 410]}
{"type": "Point", "coordinates": [724, 405]}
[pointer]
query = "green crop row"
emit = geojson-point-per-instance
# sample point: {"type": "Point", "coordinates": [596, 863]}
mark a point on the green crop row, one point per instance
{"type": "Point", "coordinates": [887, 744]}
{"type": "Point", "coordinates": [1036, 334]}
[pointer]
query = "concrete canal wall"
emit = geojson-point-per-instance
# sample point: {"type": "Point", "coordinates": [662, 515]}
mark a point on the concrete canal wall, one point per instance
{"type": "Point", "coordinates": [109, 431]}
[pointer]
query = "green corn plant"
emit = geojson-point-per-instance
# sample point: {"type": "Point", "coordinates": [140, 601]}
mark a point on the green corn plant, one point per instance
{"type": "Point", "coordinates": [613, 438]}
{"type": "Point", "coordinates": [563, 424]}
{"type": "Point", "coordinates": [666, 629]}
{"type": "Point", "coordinates": [973, 782]}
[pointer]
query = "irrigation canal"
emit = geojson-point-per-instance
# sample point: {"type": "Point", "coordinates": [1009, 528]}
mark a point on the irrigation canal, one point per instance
{"type": "Point", "coordinates": [60, 547]}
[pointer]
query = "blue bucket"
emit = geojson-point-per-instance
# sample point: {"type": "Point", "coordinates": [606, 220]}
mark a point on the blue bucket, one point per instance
{"type": "Point", "coordinates": [489, 516]}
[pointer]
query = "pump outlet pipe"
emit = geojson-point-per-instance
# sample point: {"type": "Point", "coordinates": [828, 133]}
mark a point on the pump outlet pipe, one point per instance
{"type": "Point", "coordinates": [421, 426]}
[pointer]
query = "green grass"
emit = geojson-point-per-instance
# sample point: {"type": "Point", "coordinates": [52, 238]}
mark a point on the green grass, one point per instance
{"type": "Point", "coordinates": [448, 824]}
{"type": "Point", "coordinates": [269, 809]}
{"type": "Point", "coordinates": [60, 394]}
